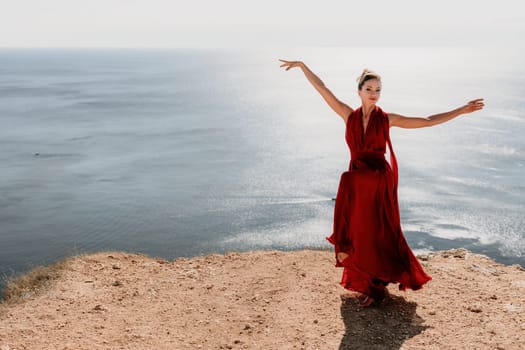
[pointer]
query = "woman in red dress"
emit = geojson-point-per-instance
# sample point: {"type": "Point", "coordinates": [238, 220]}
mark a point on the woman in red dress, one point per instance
{"type": "Point", "coordinates": [367, 235]}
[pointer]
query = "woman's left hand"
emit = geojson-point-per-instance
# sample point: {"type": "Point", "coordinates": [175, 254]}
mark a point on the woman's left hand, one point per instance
{"type": "Point", "coordinates": [474, 105]}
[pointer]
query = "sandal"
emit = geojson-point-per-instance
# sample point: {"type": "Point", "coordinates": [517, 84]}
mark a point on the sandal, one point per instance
{"type": "Point", "coordinates": [367, 301]}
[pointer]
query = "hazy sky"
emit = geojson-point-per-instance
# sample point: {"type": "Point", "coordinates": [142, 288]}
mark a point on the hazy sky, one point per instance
{"type": "Point", "coordinates": [245, 23]}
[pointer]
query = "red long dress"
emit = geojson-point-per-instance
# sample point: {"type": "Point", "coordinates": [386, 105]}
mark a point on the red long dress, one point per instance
{"type": "Point", "coordinates": [366, 216]}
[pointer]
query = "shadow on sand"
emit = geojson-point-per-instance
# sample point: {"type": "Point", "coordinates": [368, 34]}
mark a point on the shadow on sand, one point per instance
{"type": "Point", "coordinates": [386, 326]}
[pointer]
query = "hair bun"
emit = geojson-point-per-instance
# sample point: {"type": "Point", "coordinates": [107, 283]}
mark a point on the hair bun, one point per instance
{"type": "Point", "coordinates": [366, 71]}
{"type": "Point", "coordinates": [367, 75]}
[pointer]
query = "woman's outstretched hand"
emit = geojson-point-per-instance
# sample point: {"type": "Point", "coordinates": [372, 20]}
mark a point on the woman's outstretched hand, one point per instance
{"type": "Point", "coordinates": [291, 64]}
{"type": "Point", "coordinates": [474, 105]}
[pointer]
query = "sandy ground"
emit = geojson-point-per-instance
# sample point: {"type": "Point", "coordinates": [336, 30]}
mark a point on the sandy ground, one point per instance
{"type": "Point", "coordinates": [265, 300]}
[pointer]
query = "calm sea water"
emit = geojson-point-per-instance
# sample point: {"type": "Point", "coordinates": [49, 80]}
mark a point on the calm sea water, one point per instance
{"type": "Point", "coordinates": [185, 152]}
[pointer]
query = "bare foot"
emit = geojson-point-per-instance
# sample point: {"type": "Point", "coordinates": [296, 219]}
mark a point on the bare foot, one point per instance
{"type": "Point", "coordinates": [341, 256]}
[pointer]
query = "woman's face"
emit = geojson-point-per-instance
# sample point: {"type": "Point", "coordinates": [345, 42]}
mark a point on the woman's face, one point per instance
{"type": "Point", "coordinates": [370, 91]}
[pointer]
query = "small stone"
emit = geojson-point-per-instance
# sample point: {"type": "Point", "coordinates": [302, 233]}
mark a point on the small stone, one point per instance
{"type": "Point", "coordinates": [432, 313]}
{"type": "Point", "coordinates": [474, 308]}
{"type": "Point", "coordinates": [246, 327]}
{"type": "Point", "coordinates": [518, 267]}
{"type": "Point", "coordinates": [117, 283]}
{"type": "Point", "coordinates": [513, 307]}
{"type": "Point", "coordinates": [520, 284]}
{"type": "Point", "coordinates": [116, 267]}
{"type": "Point", "coordinates": [316, 321]}
{"type": "Point", "coordinates": [99, 308]}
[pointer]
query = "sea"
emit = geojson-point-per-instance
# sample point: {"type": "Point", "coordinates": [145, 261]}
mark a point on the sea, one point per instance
{"type": "Point", "coordinates": [184, 152]}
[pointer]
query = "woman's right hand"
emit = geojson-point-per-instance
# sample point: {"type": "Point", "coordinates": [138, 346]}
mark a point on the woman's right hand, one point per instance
{"type": "Point", "coordinates": [291, 64]}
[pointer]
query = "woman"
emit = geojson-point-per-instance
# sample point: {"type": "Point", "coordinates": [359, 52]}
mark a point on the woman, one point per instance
{"type": "Point", "coordinates": [367, 236]}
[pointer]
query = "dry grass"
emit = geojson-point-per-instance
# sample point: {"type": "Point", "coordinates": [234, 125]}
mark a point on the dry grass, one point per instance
{"type": "Point", "coordinates": [33, 282]}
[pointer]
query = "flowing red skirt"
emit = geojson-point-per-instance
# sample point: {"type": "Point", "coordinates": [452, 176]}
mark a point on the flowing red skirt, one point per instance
{"type": "Point", "coordinates": [367, 228]}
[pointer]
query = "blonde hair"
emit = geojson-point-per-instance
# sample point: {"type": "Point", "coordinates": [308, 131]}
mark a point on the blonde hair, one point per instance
{"type": "Point", "coordinates": [367, 75]}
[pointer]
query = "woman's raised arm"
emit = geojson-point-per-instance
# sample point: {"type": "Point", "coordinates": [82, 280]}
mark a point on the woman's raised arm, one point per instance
{"type": "Point", "coordinates": [341, 108]}
{"type": "Point", "coordinates": [418, 122]}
